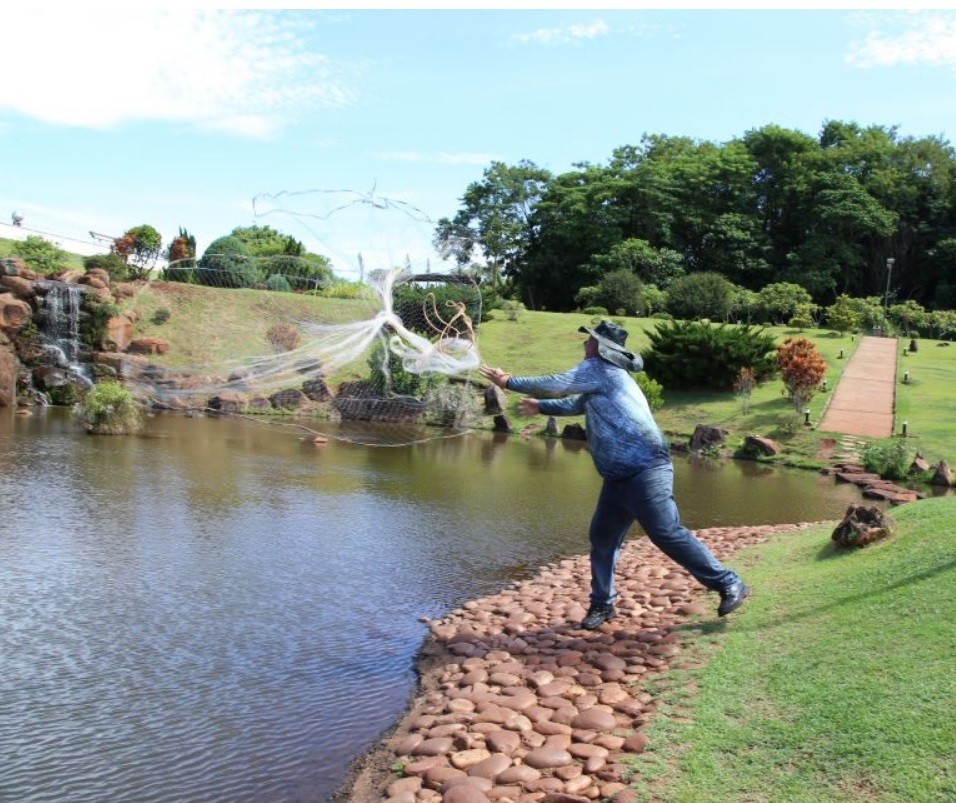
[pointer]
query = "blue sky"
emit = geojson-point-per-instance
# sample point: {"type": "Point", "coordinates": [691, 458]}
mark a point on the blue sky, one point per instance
{"type": "Point", "coordinates": [181, 117]}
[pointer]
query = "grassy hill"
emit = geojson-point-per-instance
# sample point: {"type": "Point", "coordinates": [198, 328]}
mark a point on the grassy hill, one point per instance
{"type": "Point", "coordinates": [835, 684]}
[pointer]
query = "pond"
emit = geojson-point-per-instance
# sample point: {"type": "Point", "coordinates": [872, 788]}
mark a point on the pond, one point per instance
{"type": "Point", "coordinates": [219, 610]}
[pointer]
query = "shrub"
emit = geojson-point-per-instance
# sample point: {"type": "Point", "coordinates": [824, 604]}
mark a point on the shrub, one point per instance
{"type": "Point", "coordinates": [700, 295]}
{"type": "Point", "coordinates": [744, 385]}
{"type": "Point", "coordinates": [691, 354]}
{"type": "Point", "coordinates": [620, 290]}
{"type": "Point", "coordinates": [512, 309]}
{"type": "Point", "coordinates": [39, 255]}
{"type": "Point", "coordinates": [278, 283]}
{"type": "Point", "coordinates": [652, 389]}
{"type": "Point", "coordinates": [887, 458]}
{"type": "Point", "coordinates": [227, 263]}
{"type": "Point", "coordinates": [109, 409]}
{"type": "Point", "coordinates": [801, 368]}
{"type": "Point", "coordinates": [161, 316]}
{"type": "Point", "coordinates": [113, 264]}
{"type": "Point", "coordinates": [283, 337]}
{"type": "Point", "coordinates": [600, 312]}
{"type": "Point", "coordinates": [389, 377]}
{"type": "Point", "coordinates": [421, 307]}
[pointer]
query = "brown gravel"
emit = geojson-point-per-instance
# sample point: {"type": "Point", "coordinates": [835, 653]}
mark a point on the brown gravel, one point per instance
{"type": "Point", "coordinates": [517, 704]}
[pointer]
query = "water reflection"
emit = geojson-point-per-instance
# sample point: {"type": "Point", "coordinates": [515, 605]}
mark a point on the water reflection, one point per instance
{"type": "Point", "coordinates": [221, 610]}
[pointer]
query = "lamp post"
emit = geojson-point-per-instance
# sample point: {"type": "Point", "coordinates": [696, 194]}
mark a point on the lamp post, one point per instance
{"type": "Point", "coordinates": [889, 273]}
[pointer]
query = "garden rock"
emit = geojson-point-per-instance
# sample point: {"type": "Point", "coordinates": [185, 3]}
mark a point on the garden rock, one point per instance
{"type": "Point", "coordinates": [706, 436]}
{"type": "Point", "coordinates": [862, 525]}
{"type": "Point", "coordinates": [919, 464]}
{"type": "Point", "coordinates": [494, 400]}
{"type": "Point", "coordinates": [943, 475]}
{"type": "Point", "coordinates": [757, 445]}
{"type": "Point", "coordinates": [574, 432]}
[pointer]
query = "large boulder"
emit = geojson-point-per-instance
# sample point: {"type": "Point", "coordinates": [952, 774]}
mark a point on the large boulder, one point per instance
{"type": "Point", "coordinates": [148, 345]}
{"type": "Point", "coordinates": [18, 285]}
{"type": "Point", "coordinates": [15, 313]}
{"type": "Point", "coordinates": [119, 333]}
{"type": "Point", "coordinates": [288, 399]}
{"type": "Point", "coordinates": [8, 377]}
{"type": "Point", "coordinates": [316, 390]}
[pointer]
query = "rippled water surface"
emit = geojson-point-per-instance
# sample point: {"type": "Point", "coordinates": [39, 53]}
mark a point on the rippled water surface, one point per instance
{"type": "Point", "coordinates": [218, 610]}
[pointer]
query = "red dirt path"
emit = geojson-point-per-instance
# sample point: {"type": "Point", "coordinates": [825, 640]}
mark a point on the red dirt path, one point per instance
{"type": "Point", "coordinates": [864, 398]}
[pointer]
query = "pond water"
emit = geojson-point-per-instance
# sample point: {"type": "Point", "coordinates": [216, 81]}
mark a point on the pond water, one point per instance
{"type": "Point", "coordinates": [219, 610]}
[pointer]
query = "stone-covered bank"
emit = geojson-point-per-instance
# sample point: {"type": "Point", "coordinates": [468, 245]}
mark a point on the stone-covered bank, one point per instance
{"type": "Point", "coordinates": [516, 704]}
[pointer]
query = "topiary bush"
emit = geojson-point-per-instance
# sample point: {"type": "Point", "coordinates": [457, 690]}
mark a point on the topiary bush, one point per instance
{"type": "Point", "coordinates": [687, 355]}
{"type": "Point", "coordinates": [278, 283]}
{"type": "Point", "coordinates": [227, 263]}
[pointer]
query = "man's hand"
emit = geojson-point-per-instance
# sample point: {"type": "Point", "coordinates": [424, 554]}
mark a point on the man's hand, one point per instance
{"type": "Point", "coordinates": [495, 375]}
{"type": "Point", "coordinates": [528, 406]}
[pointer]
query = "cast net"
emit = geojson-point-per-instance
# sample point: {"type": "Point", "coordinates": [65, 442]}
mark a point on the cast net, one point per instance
{"type": "Point", "coordinates": [366, 334]}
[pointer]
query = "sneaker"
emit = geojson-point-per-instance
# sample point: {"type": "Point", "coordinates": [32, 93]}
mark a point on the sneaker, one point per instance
{"type": "Point", "coordinates": [598, 615]}
{"type": "Point", "coordinates": [733, 598]}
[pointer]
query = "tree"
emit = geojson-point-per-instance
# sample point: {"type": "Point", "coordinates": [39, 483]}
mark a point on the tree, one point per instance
{"type": "Point", "coordinates": [41, 255]}
{"type": "Point", "coordinates": [265, 241]}
{"type": "Point", "coordinates": [181, 258]}
{"type": "Point", "coordinates": [909, 315]}
{"type": "Point", "coordinates": [140, 246]}
{"type": "Point", "coordinates": [778, 302]}
{"type": "Point", "coordinates": [841, 314]}
{"type": "Point", "coordinates": [653, 299]}
{"type": "Point", "coordinates": [802, 317]}
{"type": "Point", "coordinates": [700, 295]}
{"type": "Point", "coordinates": [802, 369]}
{"type": "Point", "coordinates": [494, 218]}
{"type": "Point", "coordinates": [658, 266]}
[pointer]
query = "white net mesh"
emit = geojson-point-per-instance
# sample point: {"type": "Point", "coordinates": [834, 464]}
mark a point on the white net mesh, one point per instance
{"type": "Point", "coordinates": [386, 354]}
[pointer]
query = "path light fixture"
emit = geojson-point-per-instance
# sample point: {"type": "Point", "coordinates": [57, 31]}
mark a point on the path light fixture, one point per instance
{"type": "Point", "coordinates": [904, 429]}
{"type": "Point", "coordinates": [806, 416]}
{"type": "Point", "coordinates": [906, 377]}
{"type": "Point", "coordinates": [890, 261]}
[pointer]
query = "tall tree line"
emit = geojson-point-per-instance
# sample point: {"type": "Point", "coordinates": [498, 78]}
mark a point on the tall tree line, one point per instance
{"type": "Point", "coordinates": [775, 205]}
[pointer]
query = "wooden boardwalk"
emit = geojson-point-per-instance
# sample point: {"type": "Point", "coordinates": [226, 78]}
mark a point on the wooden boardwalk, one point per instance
{"type": "Point", "coordinates": [864, 399]}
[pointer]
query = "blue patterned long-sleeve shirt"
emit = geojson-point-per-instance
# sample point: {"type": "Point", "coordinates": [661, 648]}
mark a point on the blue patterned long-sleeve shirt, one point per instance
{"type": "Point", "coordinates": [623, 437]}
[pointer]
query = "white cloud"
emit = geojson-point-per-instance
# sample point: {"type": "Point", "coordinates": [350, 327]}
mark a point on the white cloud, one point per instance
{"type": "Point", "coordinates": [244, 72]}
{"type": "Point", "coordinates": [913, 39]}
{"type": "Point", "coordinates": [563, 35]}
{"type": "Point", "coordinates": [440, 158]}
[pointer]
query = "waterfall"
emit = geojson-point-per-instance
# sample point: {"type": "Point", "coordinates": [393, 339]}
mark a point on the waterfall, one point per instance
{"type": "Point", "coordinates": [60, 326]}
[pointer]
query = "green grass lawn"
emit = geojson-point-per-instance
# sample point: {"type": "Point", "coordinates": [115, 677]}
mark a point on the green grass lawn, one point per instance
{"type": "Point", "coordinates": [835, 682]}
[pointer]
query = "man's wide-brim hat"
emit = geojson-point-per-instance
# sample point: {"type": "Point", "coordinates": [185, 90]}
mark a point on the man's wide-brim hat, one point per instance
{"type": "Point", "coordinates": [611, 339]}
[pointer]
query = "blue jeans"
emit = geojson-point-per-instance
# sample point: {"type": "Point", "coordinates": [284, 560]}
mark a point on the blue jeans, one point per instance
{"type": "Point", "coordinates": [648, 498]}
